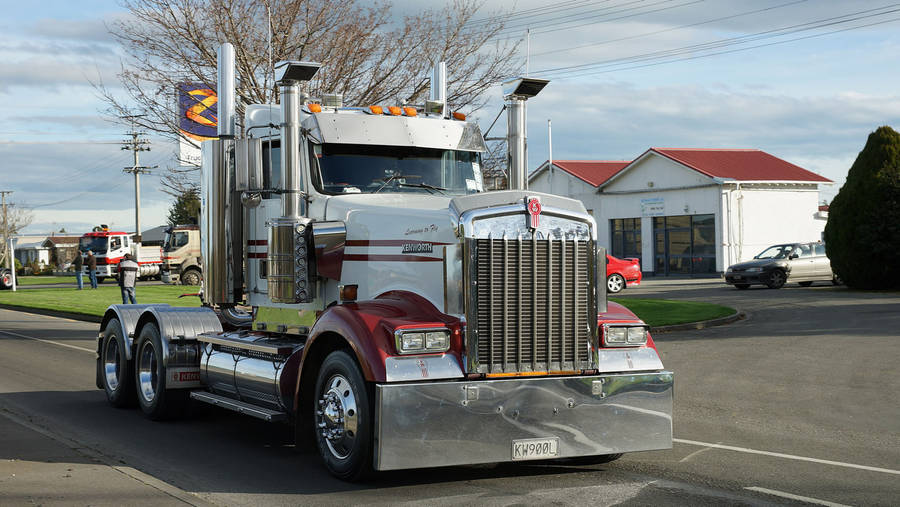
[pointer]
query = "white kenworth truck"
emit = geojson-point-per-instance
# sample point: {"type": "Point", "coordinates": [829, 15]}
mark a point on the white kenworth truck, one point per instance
{"type": "Point", "coordinates": [400, 317]}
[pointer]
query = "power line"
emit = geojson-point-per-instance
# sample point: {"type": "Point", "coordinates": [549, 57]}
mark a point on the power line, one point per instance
{"type": "Point", "coordinates": [743, 39]}
{"type": "Point", "coordinates": [591, 73]}
{"type": "Point", "coordinates": [657, 32]}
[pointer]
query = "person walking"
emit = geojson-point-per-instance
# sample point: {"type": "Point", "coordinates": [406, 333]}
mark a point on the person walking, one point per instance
{"type": "Point", "coordinates": [79, 269]}
{"type": "Point", "coordinates": [92, 268]}
{"type": "Point", "coordinates": [127, 274]}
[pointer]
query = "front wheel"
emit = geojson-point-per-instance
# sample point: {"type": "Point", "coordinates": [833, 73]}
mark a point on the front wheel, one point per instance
{"type": "Point", "coordinates": [191, 277]}
{"type": "Point", "coordinates": [615, 283]}
{"type": "Point", "coordinates": [776, 279]}
{"type": "Point", "coordinates": [155, 400]}
{"type": "Point", "coordinates": [344, 416]}
{"type": "Point", "coordinates": [116, 372]}
{"type": "Point", "coordinates": [5, 279]}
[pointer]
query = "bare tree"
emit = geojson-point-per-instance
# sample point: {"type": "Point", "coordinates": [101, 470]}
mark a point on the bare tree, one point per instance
{"type": "Point", "coordinates": [366, 54]}
{"type": "Point", "coordinates": [14, 218]}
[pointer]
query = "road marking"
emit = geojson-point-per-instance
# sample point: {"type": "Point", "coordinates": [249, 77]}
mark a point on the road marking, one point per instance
{"type": "Point", "coordinates": [788, 456]}
{"type": "Point", "coordinates": [791, 496]}
{"type": "Point", "coordinates": [48, 341]}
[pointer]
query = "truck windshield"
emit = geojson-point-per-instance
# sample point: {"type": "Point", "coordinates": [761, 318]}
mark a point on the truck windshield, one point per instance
{"type": "Point", "coordinates": [362, 169]}
{"type": "Point", "coordinates": [175, 240]}
{"type": "Point", "coordinates": [98, 245]}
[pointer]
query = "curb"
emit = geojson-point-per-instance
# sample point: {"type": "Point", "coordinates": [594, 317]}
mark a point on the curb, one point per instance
{"type": "Point", "coordinates": [53, 313]}
{"type": "Point", "coordinates": [703, 324]}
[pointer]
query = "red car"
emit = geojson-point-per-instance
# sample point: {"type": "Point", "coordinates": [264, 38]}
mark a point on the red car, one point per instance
{"type": "Point", "coordinates": [622, 272]}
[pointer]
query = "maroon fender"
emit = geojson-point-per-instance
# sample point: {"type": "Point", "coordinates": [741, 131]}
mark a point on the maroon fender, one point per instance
{"type": "Point", "coordinates": [368, 327]}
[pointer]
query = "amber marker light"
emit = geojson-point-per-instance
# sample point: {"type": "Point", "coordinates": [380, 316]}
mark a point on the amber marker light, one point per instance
{"type": "Point", "coordinates": [394, 110]}
{"type": "Point", "coordinates": [459, 116]}
{"type": "Point", "coordinates": [410, 111]}
{"type": "Point", "coordinates": [314, 108]}
{"type": "Point", "coordinates": [376, 109]}
{"type": "Point", "coordinates": [348, 293]}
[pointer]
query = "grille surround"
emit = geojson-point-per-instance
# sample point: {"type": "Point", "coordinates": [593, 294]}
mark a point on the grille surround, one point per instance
{"type": "Point", "coordinates": [516, 321]}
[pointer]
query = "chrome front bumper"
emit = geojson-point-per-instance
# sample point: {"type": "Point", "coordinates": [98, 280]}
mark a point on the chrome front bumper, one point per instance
{"type": "Point", "coordinates": [455, 423]}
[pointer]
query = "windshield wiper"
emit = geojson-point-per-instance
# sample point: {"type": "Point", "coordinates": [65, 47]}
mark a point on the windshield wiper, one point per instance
{"type": "Point", "coordinates": [426, 186]}
{"type": "Point", "coordinates": [395, 176]}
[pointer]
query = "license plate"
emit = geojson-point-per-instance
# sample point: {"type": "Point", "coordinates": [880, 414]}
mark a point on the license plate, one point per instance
{"type": "Point", "coordinates": [535, 448]}
{"type": "Point", "coordinates": [738, 277]}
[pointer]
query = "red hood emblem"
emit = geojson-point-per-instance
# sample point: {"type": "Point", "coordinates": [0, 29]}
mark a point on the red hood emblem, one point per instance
{"type": "Point", "coordinates": [533, 206]}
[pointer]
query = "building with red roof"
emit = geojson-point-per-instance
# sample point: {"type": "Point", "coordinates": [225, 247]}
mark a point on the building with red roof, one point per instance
{"type": "Point", "coordinates": [691, 211]}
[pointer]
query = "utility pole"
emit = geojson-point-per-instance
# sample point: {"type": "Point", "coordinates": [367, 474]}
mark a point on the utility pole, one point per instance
{"type": "Point", "coordinates": [5, 250]}
{"type": "Point", "coordinates": [136, 144]}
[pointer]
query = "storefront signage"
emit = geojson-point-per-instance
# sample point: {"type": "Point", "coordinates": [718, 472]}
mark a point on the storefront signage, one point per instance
{"type": "Point", "coordinates": [655, 207]}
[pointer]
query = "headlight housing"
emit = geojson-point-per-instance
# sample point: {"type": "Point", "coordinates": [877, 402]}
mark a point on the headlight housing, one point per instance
{"type": "Point", "coordinates": [625, 335]}
{"type": "Point", "coordinates": [422, 340]}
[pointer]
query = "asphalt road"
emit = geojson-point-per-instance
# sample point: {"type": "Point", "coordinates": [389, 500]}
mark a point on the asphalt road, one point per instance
{"type": "Point", "coordinates": [798, 403]}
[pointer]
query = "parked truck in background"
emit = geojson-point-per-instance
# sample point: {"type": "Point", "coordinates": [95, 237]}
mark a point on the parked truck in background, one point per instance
{"type": "Point", "coordinates": [399, 315]}
{"type": "Point", "coordinates": [109, 247]}
{"type": "Point", "coordinates": [181, 260]}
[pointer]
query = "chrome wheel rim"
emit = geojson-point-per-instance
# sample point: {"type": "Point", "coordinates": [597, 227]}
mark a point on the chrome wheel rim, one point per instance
{"type": "Point", "coordinates": [337, 416]}
{"type": "Point", "coordinates": [615, 283]}
{"type": "Point", "coordinates": [147, 378]}
{"type": "Point", "coordinates": [111, 363]}
{"type": "Point", "coordinates": [778, 277]}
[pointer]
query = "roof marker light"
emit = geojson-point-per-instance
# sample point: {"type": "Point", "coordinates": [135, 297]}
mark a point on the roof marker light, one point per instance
{"type": "Point", "coordinates": [394, 110]}
{"type": "Point", "coordinates": [410, 111]}
{"type": "Point", "coordinates": [376, 109]}
{"type": "Point", "coordinates": [314, 108]}
{"type": "Point", "coordinates": [459, 116]}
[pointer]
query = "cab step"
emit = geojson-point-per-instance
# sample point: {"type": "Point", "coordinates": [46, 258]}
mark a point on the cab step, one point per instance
{"type": "Point", "coordinates": [239, 406]}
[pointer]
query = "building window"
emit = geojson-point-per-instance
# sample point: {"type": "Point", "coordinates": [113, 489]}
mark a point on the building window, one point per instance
{"type": "Point", "coordinates": [684, 244]}
{"type": "Point", "coordinates": [625, 237]}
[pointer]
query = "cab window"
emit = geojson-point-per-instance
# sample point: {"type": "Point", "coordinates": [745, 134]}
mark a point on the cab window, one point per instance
{"type": "Point", "coordinates": [115, 243]}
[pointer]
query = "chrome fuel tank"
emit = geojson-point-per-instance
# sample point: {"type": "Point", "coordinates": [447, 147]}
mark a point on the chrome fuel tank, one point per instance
{"type": "Point", "coordinates": [249, 367]}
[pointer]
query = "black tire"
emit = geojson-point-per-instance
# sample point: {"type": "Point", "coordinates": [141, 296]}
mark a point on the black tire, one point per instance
{"type": "Point", "coordinates": [191, 277]}
{"type": "Point", "coordinates": [836, 280]}
{"type": "Point", "coordinates": [157, 402]}
{"type": "Point", "coordinates": [615, 283]}
{"type": "Point", "coordinates": [590, 460]}
{"type": "Point", "coordinates": [5, 279]}
{"type": "Point", "coordinates": [805, 284]}
{"type": "Point", "coordinates": [742, 286]}
{"type": "Point", "coordinates": [344, 418]}
{"type": "Point", "coordinates": [116, 372]}
{"type": "Point", "coordinates": [776, 280]}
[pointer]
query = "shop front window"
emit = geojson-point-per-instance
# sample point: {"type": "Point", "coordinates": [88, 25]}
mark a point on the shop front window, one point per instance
{"type": "Point", "coordinates": [684, 244]}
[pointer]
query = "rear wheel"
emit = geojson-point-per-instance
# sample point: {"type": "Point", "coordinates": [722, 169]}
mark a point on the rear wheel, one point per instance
{"type": "Point", "coordinates": [150, 379]}
{"type": "Point", "coordinates": [836, 280]}
{"type": "Point", "coordinates": [5, 279]}
{"type": "Point", "coordinates": [805, 284]}
{"type": "Point", "coordinates": [344, 416]}
{"type": "Point", "coordinates": [615, 283]}
{"type": "Point", "coordinates": [776, 279]}
{"type": "Point", "coordinates": [742, 286]}
{"type": "Point", "coordinates": [117, 373]}
{"type": "Point", "coordinates": [191, 277]}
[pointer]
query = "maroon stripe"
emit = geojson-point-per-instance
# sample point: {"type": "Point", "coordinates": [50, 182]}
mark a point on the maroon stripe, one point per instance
{"type": "Point", "coordinates": [256, 255]}
{"type": "Point", "coordinates": [390, 258]}
{"type": "Point", "coordinates": [257, 242]}
{"type": "Point", "coordinates": [389, 242]}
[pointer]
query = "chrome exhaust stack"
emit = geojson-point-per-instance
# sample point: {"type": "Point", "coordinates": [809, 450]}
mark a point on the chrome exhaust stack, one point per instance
{"type": "Point", "coordinates": [516, 91]}
{"type": "Point", "coordinates": [291, 255]}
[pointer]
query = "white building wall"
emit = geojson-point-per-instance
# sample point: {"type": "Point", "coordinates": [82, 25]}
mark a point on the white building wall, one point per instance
{"type": "Point", "coordinates": [566, 185]}
{"type": "Point", "coordinates": [761, 217]}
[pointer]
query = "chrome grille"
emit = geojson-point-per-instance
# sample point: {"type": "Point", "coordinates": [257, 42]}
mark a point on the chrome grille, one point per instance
{"type": "Point", "coordinates": [531, 304]}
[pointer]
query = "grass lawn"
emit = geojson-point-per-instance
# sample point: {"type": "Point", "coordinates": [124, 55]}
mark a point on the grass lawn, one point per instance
{"type": "Point", "coordinates": [46, 280]}
{"type": "Point", "coordinates": [95, 301]}
{"type": "Point", "coordinates": [666, 312]}
{"type": "Point", "coordinates": [655, 312]}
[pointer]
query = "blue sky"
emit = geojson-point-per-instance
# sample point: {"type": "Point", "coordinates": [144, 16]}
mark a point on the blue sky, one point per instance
{"type": "Point", "coordinates": [811, 102]}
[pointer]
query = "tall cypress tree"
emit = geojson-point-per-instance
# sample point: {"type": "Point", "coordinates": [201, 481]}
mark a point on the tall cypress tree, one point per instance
{"type": "Point", "coordinates": [862, 235]}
